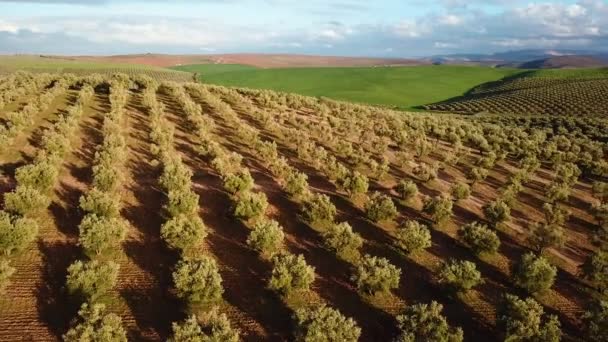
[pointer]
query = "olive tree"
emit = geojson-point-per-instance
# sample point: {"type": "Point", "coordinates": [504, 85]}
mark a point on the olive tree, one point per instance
{"type": "Point", "coordinates": [595, 269]}
{"type": "Point", "coordinates": [197, 280]}
{"type": "Point", "coordinates": [291, 273]}
{"type": "Point", "coordinates": [424, 322]}
{"type": "Point", "coordinates": [98, 234]}
{"type": "Point", "coordinates": [460, 191]}
{"type": "Point", "coordinates": [40, 176]}
{"type": "Point", "coordinates": [251, 205]}
{"type": "Point", "coordinates": [376, 275]}
{"type": "Point", "coordinates": [92, 279]}
{"type": "Point", "coordinates": [296, 184]}
{"type": "Point", "coordinates": [522, 320]}
{"type": "Point", "coordinates": [460, 275]}
{"type": "Point", "coordinates": [407, 190]}
{"type": "Point", "coordinates": [238, 182]}
{"type": "Point", "coordinates": [323, 323]}
{"type": "Point", "coordinates": [100, 203]}
{"type": "Point", "coordinates": [543, 236]}
{"type": "Point", "coordinates": [479, 238]}
{"type": "Point", "coordinates": [266, 237]}
{"type": "Point", "coordinates": [216, 327]}
{"type": "Point", "coordinates": [182, 201]}
{"type": "Point", "coordinates": [355, 184]}
{"type": "Point", "coordinates": [380, 208]}
{"type": "Point", "coordinates": [16, 233]}
{"type": "Point", "coordinates": [534, 273]}
{"type": "Point", "coordinates": [439, 208]}
{"type": "Point", "coordinates": [95, 325]}
{"type": "Point", "coordinates": [497, 212]}
{"type": "Point", "coordinates": [26, 201]}
{"type": "Point", "coordinates": [183, 232]}
{"type": "Point", "coordinates": [596, 322]}
{"type": "Point", "coordinates": [412, 236]}
{"type": "Point", "coordinates": [555, 214]}
{"type": "Point", "coordinates": [318, 209]}
{"type": "Point", "coordinates": [340, 238]}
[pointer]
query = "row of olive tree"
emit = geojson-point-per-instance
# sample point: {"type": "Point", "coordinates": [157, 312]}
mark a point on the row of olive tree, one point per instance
{"type": "Point", "coordinates": [102, 229]}
{"type": "Point", "coordinates": [196, 277]}
{"type": "Point", "coordinates": [19, 221]}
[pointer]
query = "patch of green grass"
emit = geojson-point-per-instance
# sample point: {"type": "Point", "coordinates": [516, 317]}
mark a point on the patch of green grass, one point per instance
{"type": "Point", "coordinates": [569, 73]}
{"type": "Point", "coordinates": [212, 69]}
{"type": "Point", "coordinates": [401, 87]}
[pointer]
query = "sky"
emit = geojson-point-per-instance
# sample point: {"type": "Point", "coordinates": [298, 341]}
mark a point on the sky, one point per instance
{"type": "Point", "coordinates": [387, 28]}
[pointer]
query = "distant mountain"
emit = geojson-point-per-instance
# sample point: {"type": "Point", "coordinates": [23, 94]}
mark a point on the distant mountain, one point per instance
{"type": "Point", "coordinates": [561, 62]}
{"type": "Point", "coordinates": [529, 58]}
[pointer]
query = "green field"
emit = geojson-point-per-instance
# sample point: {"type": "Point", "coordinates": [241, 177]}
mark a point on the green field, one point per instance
{"type": "Point", "coordinates": [401, 87]}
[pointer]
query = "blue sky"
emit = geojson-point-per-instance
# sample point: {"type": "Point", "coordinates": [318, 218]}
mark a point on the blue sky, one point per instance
{"type": "Point", "coordinates": [398, 28]}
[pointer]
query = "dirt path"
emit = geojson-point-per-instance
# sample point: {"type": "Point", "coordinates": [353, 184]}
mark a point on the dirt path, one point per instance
{"type": "Point", "coordinates": [35, 306]}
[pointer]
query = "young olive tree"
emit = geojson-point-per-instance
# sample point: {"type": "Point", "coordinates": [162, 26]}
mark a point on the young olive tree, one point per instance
{"type": "Point", "coordinates": [238, 182]}
{"type": "Point", "coordinates": [341, 239]}
{"type": "Point", "coordinates": [460, 275]}
{"type": "Point", "coordinates": [522, 320]}
{"type": "Point", "coordinates": [95, 325]}
{"type": "Point", "coordinates": [323, 323]}
{"type": "Point", "coordinates": [596, 322]}
{"type": "Point", "coordinates": [26, 201]}
{"type": "Point", "coordinates": [40, 176]}
{"type": "Point", "coordinates": [460, 191]}
{"type": "Point", "coordinates": [439, 208]}
{"type": "Point", "coordinates": [424, 322]}
{"type": "Point", "coordinates": [100, 203]}
{"type": "Point", "coordinates": [595, 269]}
{"type": "Point", "coordinates": [91, 280]}
{"type": "Point", "coordinates": [479, 238]}
{"type": "Point", "coordinates": [251, 206]}
{"type": "Point", "coordinates": [16, 233]}
{"type": "Point", "coordinates": [266, 237]}
{"type": "Point", "coordinates": [98, 234]}
{"type": "Point", "coordinates": [355, 184]}
{"type": "Point", "coordinates": [380, 208]}
{"type": "Point", "coordinates": [497, 212]}
{"type": "Point", "coordinates": [198, 281]}
{"type": "Point", "coordinates": [534, 273]}
{"type": "Point", "coordinates": [214, 328]}
{"type": "Point", "coordinates": [183, 232]}
{"type": "Point", "coordinates": [182, 202]}
{"type": "Point", "coordinates": [291, 273]}
{"type": "Point", "coordinates": [543, 236]}
{"type": "Point", "coordinates": [412, 236]}
{"type": "Point", "coordinates": [296, 184]}
{"type": "Point", "coordinates": [407, 190]}
{"type": "Point", "coordinates": [376, 275]}
{"type": "Point", "coordinates": [318, 209]}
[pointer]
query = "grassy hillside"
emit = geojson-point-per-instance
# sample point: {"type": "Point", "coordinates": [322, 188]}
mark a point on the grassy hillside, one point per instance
{"type": "Point", "coordinates": [554, 92]}
{"type": "Point", "coordinates": [402, 87]}
{"type": "Point", "coordinates": [65, 65]}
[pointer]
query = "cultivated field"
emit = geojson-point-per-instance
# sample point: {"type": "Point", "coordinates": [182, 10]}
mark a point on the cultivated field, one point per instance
{"type": "Point", "coordinates": [553, 92]}
{"type": "Point", "coordinates": [37, 64]}
{"type": "Point", "coordinates": [180, 210]}
{"type": "Point", "coordinates": [387, 86]}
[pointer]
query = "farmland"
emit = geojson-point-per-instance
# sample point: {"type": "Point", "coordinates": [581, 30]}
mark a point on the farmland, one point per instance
{"type": "Point", "coordinates": [172, 209]}
{"type": "Point", "coordinates": [38, 64]}
{"type": "Point", "coordinates": [400, 87]}
{"type": "Point", "coordinates": [553, 92]}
